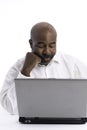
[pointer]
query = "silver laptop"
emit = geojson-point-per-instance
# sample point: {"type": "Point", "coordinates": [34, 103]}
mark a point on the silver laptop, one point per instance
{"type": "Point", "coordinates": [46, 101]}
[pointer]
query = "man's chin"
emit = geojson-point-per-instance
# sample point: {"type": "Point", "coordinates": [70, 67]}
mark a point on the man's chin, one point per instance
{"type": "Point", "coordinates": [45, 62]}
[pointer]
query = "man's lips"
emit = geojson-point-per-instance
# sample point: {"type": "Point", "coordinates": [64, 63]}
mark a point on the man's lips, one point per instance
{"type": "Point", "coordinates": [47, 58]}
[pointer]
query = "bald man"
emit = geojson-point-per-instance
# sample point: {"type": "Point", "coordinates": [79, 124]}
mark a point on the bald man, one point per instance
{"type": "Point", "coordinates": [41, 62]}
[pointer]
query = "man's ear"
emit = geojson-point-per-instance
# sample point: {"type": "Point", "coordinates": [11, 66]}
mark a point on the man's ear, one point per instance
{"type": "Point", "coordinates": [31, 44]}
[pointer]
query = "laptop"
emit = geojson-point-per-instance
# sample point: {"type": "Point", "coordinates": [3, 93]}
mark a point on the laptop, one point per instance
{"type": "Point", "coordinates": [52, 101]}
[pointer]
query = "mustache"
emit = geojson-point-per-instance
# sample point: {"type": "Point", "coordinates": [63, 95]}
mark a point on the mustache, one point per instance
{"type": "Point", "coordinates": [44, 56]}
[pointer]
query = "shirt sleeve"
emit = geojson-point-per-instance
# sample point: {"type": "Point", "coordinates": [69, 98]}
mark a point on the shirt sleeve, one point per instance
{"type": "Point", "coordinates": [8, 95]}
{"type": "Point", "coordinates": [20, 75]}
{"type": "Point", "coordinates": [80, 70]}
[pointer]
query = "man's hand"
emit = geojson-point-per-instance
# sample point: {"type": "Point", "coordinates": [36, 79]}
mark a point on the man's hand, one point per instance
{"type": "Point", "coordinates": [31, 60]}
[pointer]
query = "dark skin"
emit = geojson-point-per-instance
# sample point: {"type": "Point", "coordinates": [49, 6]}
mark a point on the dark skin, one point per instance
{"type": "Point", "coordinates": [43, 45]}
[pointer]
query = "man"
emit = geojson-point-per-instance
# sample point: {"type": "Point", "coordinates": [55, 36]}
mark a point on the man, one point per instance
{"type": "Point", "coordinates": [41, 62]}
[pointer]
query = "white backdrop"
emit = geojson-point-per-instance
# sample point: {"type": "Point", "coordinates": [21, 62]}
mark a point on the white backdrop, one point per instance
{"type": "Point", "coordinates": [69, 17]}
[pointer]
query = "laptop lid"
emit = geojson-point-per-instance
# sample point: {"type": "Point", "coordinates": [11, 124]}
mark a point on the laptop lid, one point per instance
{"type": "Point", "coordinates": [53, 98]}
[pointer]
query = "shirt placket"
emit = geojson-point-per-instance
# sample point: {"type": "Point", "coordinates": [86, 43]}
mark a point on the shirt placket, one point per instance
{"type": "Point", "coordinates": [45, 71]}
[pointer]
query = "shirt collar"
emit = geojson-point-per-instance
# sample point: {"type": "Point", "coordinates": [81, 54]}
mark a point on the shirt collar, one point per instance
{"type": "Point", "coordinates": [55, 58]}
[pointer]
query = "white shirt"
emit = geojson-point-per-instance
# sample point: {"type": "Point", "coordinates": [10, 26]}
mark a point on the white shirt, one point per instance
{"type": "Point", "coordinates": [61, 66]}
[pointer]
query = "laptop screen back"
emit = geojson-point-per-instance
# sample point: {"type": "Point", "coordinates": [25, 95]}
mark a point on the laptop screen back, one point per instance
{"type": "Point", "coordinates": [51, 97]}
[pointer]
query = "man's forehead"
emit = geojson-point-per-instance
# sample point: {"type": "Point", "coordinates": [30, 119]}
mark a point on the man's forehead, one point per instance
{"type": "Point", "coordinates": [44, 36]}
{"type": "Point", "coordinates": [44, 39]}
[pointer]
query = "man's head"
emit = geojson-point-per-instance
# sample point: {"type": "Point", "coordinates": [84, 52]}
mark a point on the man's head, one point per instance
{"type": "Point", "coordinates": [43, 41]}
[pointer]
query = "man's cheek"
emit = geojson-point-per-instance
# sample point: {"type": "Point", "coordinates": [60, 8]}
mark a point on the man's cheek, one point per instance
{"type": "Point", "coordinates": [36, 53]}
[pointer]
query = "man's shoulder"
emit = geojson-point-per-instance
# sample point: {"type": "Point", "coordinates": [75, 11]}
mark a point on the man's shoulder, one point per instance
{"type": "Point", "coordinates": [21, 60]}
{"type": "Point", "coordinates": [19, 63]}
{"type": "Point", "coordinates": [66, 57]}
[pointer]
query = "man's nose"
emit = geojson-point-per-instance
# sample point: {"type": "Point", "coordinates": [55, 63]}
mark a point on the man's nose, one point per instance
{"type": "Point", "coordinates": [46, 50]}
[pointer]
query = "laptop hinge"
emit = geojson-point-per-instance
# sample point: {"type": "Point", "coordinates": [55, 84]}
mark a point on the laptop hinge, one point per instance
{"type": "Point", "coordinates": [42, 120]}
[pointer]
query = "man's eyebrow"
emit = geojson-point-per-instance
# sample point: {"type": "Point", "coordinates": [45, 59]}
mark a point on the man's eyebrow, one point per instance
{"type": "Point", "coordinates": [40, 43]}
{"type": "Point", "coordinates": [52, 42]}
{"type": "Point", "coordinates": [43, 43]}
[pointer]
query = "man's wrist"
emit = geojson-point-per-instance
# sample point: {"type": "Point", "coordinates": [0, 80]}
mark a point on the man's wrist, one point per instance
{"type": "Point", "coordinates": [25, 72]}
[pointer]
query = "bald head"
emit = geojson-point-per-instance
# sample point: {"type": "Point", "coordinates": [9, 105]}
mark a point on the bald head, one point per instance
{"type": "Point", "coordinates": [39, 29]}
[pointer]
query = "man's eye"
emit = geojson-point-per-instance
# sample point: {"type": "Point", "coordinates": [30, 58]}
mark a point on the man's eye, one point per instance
{"type": "Point", "coordinates": [40, 46]}
{"type": "Point", "coordinates": [52, 45]}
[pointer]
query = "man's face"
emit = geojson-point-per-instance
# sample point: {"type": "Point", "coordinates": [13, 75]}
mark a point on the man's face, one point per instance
{"type": "Point", "coordinates": [44, 46]}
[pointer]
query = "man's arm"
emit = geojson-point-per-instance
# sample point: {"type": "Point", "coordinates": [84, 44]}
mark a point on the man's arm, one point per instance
{"type": "Point", "coordinates": [7, 95]}
{"type": "Point", "coordinates": [21, 69]}
{"type": "Point", "coordinates": [31, 61]}
{"type": "Point", "coordinates": [80, 70]}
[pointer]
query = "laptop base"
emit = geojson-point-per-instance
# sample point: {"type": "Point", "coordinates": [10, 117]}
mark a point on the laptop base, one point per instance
{"type": "Point", "coordinates": [36, 120]}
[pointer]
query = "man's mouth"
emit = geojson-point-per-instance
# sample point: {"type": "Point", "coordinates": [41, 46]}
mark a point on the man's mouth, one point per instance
{"type": "Point", "coordinates": [47, 58]}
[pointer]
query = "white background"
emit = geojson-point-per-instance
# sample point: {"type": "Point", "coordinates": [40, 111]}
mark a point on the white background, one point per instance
{"type": "Point", "coordinates": [69, 17]}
